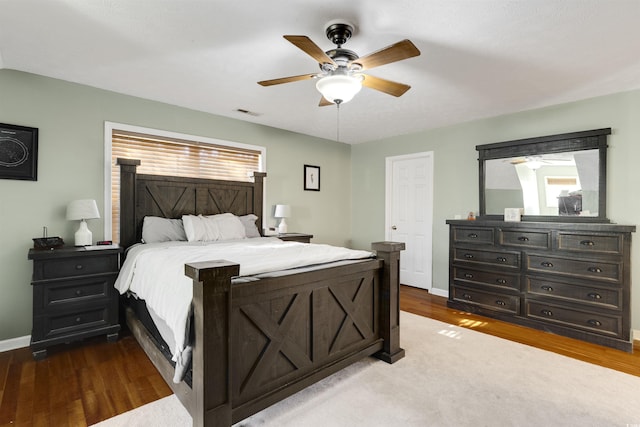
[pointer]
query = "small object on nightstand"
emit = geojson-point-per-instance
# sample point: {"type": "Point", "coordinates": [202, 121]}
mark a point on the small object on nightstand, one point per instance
{"type": "Point", "coordinates": [47, 243]}
{"type": "Point", "coordinates": [73, 295]}
{"type": "Point", "coordinates": [295, 237]}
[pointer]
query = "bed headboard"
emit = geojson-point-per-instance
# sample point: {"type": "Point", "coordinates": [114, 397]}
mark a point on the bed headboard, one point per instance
{"type": "Point", "coordinates": [173, 196]}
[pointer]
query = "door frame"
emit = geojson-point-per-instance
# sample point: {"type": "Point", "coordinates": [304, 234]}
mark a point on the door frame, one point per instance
{"type": "Point", "coordinates": [429, 155]}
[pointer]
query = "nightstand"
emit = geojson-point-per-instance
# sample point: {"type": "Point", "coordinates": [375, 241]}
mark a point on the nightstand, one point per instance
{"type": "Point", "coordinates": [295, 237]}
{"type": "Point", "coordinates": [73, 295]}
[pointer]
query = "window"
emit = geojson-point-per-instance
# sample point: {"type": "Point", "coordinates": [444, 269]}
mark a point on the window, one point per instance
{"type": "Point", "coordinates": [164, 153]}
{"type": "Point", "coordinates": [556, 186]}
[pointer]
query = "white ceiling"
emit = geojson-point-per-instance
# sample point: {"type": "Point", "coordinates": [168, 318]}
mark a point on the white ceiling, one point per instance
{"type": "Point", "coordinates": [480, 58]}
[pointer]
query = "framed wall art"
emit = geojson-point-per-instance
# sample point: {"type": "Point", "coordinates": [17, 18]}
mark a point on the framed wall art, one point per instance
{"type": "Point", "coordinates": [312, 178]}
{"type": "Point", "coordinates": [18, 152]}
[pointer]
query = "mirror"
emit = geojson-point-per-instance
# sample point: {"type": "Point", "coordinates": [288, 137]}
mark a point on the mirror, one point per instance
{"type": "Point", "coordinates": [552, 178]}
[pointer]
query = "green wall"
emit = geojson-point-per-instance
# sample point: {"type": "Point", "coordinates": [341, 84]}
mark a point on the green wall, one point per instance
{"type": "Point", "coordinates": [70, 119]}
{"type": "Point", "coordinates": [456, 169]}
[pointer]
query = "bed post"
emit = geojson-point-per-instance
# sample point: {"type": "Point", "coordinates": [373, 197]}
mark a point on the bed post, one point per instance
{"type": "Point", "coordinates": [258, 191]}
{"type": "Point", "coordinates": [127, 201]}
{"type": "Point", "coordinates": [389, 252]}
{"type": "Point", "coordinates": [211, 357]}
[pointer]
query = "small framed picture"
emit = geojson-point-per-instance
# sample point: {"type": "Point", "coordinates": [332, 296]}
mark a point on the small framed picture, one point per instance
{"type": "Point", "coordinates": [312, 178]}
{"type": "Point", "coordinates": [18, 152]}
{"type": "Point", "coordinates": [512, 214]}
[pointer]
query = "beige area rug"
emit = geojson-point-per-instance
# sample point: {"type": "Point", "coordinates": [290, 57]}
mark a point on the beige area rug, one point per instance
{"type": "Point", "coordinates": [451, 376]}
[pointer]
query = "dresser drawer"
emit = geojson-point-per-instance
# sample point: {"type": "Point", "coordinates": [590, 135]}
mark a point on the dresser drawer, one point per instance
{"type": "Point", "coordinates": [503, 258]}
{"type": "Point", "coordinates": [72, 291]}
{"type": "Point", "coordinates": [495, 278]}
{"type": "Point", "coordinates": [584, 320]}
{"type": "Point", "coordinates": [473, 235]}
{"type": "Point", "coordinates": [75, 266]}
{"type": "Point", "coordinates": [493, 301]}
{"type": "Point", "coordinates": [597, 296]}
{"type": "Point", "coordinates": [70, 323]}
{"type": "Point", "coordinates": [591, 243]}
{"type": "Point", "coordinates": [526, 239]}
{"type": "Point", "coordinates": [601, 270]}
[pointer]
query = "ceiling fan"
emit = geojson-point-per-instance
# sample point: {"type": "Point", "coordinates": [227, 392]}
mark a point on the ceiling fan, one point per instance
{"type": "Point", "coordinates": [341, 77]}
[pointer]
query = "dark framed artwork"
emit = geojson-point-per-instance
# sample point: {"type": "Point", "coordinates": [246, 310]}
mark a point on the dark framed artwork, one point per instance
{"type": "Point", "coordinates": [312, 178]}
{"type": "Point", "coordinates": [18, 152]}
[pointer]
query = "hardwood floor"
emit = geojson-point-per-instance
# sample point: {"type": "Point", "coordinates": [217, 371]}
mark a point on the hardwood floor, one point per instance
{"type": "Point", "coordinates": [84, 383]}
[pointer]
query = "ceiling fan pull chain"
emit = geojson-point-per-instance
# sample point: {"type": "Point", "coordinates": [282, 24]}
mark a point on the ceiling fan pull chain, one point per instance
{"type": "Point", "coordinates": [338, 102]}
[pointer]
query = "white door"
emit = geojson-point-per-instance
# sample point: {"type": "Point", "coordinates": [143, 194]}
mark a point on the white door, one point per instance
{"type": "Point", "coordinates": [409, 215]}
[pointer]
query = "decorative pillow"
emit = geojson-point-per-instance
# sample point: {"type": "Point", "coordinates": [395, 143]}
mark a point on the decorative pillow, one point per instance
{"type": "Point", "coordinates": [249, 222]}
{"type": "Point", "coordinates": [156, 229]}
{"type": "Point", "coordinates": [213, 227]}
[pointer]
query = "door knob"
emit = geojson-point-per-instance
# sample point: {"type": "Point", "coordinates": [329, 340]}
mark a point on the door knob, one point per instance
{"type": "Point", "coordinates": [393, 227]}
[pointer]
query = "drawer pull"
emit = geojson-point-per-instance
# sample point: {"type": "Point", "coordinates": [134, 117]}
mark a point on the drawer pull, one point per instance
{"type": "Point", "coordinates": [594, 295]}
{"type": "Point", "coordinates": [547, 288]}
{"type": "Point", "coordinates": [78, 319]}
{"type": "Point", "coordinates": [501, 259]}
{"type": "Point", "coordinates": [547, 313]}
{"type": "Point", "coordinates": [594, 269]}
{"type": "Point", "coordinates": [467, 296]}
{"type": "Point", "coordinates": [523, 238]}
{"type": "Point", "coordinates": [472, 235]}
{"type": "Point", "coordinates": [501, 281]}
{"type": "Point", "coordinates": [594, 322]}
{"type": "Point", "coordinates": [587, 243]}
{"type": "Point", "coordinates": [546, 264]}
{"type": "Point", "coordinates": [78, 292]}
{"type": "Point", "coordinates": [500, 302]}
{"type": "Point", "coordinates": [79, 266]}
{"type": "Point", "coordinates": [468, 276]}
{"type": "Point", "coordinates": [468, 256]}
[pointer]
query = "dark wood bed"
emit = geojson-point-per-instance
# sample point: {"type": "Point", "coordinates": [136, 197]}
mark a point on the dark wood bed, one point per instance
{"type": "Point", "coordinates": [259, 342]}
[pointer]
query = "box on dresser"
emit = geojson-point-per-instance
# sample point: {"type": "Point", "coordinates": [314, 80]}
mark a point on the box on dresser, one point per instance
{"type": "Point", "coordinates": [73, 295]}
{"type": "Point", "coordinates": [573, 279]}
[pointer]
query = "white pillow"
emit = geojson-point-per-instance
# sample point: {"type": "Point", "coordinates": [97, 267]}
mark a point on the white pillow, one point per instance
{"type": "Point", "coordinates": [213, 227]}
{"type": "Point", "coordinates": [156, 229]}
{"type": "Point", "coordinates": [249, 222]}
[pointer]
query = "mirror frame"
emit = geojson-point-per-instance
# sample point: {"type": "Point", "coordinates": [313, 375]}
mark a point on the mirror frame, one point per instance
{"type": "Point", "coordinates": [575, 141]}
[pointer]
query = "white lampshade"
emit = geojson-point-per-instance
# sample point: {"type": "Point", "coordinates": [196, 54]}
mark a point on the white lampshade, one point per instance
{"type": "Point", "coordinates": [82, 210]}
{"type": "Point", "coordinates": [282, 211]}
{"type": "Point", "coordinates": [339, 87]}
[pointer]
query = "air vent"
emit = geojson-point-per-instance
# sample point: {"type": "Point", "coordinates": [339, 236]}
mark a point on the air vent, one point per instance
{"type": "Point", "coordinates": [250, 113]}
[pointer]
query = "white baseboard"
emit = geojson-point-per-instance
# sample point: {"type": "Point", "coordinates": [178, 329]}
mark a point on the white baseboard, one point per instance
{"type": "Point", "coordinates": [439, 292]}
{"type": "Point", "coordinates": [14, 343]}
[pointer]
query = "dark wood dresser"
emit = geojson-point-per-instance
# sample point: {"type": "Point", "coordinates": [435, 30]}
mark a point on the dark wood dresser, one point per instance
{"type": "Point", "coordinates": [572, 279]}
{"type": "Point", "coordinates": [73, 295]}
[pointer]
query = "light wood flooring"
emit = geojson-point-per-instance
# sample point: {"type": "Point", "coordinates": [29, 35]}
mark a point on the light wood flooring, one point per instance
{"type": "Point", "coordinates": [83, 383]}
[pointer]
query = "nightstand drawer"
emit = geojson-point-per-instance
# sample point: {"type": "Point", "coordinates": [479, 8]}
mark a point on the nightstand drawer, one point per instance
{"type": "Point", "coordinates": [72, 291]}
{"type": "Point", "coordinates": [66, 323]}
{"type": "Point", "coordinates": [75, 266]}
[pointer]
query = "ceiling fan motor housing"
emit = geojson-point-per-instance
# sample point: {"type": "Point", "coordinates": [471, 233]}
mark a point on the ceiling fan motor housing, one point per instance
{"type": "Point", "coordinates": [339, 33]}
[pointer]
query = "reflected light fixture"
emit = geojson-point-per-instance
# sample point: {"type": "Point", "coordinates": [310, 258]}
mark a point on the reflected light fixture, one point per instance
{"type": "Point", "coordinates": [339, 88]}
{"type": "Point", "coordinates": [83, 210]}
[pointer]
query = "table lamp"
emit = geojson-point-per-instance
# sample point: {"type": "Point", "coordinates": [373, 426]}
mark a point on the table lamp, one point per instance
{"type": "Point", "coordinates": [83, 210]}
{"type": "Point", "coordinates": [282, 211]}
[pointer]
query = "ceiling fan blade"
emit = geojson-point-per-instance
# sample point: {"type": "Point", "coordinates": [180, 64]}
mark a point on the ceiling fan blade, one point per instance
{"type": "Point", "coordinates": [324, 102]}
{"type": "Point", "coordinates": [396, 52]}
{"type": "Point", "coordinates": [310, 48]}
{"type": "Point", "coordinates": [286, 80]}
{"type": "Point", "coordinates": [386, 86]}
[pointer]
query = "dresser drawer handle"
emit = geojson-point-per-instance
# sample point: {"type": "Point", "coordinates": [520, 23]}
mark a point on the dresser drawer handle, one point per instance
{"type": "Point", "coordinates": [78, 319]}
{"type": "Point", "coordinates": [468, 256]}
{"type": "Point", "coordinates": [79, 266]}
{"type": "Point", "coordinates": [501, 281]}
{"type": "Point", "coordinates": [78, 292]}
{"type": "Point", "coordinates": [467, 296]}
{"type": "Point", "coordinates": [500, 302]}
{"type": "Point", "coordinates": [546, 264]}
{"type": "Point", "coordinates": [547, 288]}
{"type": "Point", "coordinates": [472, 235]}
{"type": "Point", "coordinates": [594, 295]}
{"type": "Point", "coordinates": [587, 243]}
{"type": "Point", "coordinates": [501, 259]}
{"type": "Point", "coordinates": [595, 269]}
{"type": "Point", "coordinates": [468, 276]}
{"type": "Point", "coordinates": [547, 313]}
{"type": "Point", "coordinates": [594, 322]}
{"type": "Point", "coordinates": [523, 238]}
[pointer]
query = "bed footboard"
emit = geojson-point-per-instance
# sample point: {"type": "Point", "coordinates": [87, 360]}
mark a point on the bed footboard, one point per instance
{"type": "Point", "coordinates": [319, 321]}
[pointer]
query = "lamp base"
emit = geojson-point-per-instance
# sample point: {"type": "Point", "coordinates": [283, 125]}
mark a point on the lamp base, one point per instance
{"type": "Point", "coordinates": [83, 236]}
{"type": "Point", "coordinates": [282, 228]}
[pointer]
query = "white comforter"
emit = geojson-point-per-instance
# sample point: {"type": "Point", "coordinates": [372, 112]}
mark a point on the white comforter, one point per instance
{"type": "Point", "coordinates": [155, 272]}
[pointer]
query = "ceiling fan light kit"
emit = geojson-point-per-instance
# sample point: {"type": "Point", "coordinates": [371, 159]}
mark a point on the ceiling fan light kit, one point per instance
{"type": "Point", "coordinates": [341, 75]}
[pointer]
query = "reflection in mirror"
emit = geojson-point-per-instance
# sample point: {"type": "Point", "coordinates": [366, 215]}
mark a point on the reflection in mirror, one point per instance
{"type": "Point", "coordinates": [564, 184]}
